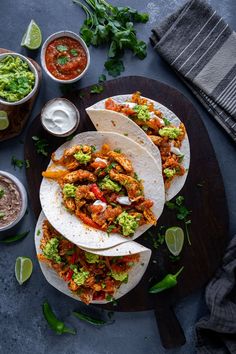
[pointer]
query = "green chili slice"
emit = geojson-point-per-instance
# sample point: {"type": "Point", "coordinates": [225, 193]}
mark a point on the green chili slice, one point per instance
{"type": "Point", "coordinates": [55, 324]}
{"type": "Point", "coordinates": [169, 281]}
{"type": "Point", "coordinates": [14, 238]}
{"type": "Point", "coordinates": [88, 319]}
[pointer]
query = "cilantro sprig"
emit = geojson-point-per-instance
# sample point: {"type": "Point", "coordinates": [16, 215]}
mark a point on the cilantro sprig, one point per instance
{"type": "Point", "coordinates": [182, 213]}
{"type": "Point", "coordinates": [114, 26]}
{"type": "Point", "coordinates": [41, 145]}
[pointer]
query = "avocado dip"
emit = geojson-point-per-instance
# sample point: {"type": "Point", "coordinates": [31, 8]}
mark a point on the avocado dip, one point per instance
{"type": "Point", "coordinates": [16, 79]}
{"type": "Point", "coordinates": [10, 201]}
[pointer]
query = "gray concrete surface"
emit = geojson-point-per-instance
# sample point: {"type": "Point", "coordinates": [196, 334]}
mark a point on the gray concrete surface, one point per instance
{"type": "Point", "coordinates": [22, 327]}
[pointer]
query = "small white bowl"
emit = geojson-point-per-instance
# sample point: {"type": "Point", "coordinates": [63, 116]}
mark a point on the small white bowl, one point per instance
{"type": "Point", "coordinates": [58, 35]}
{"type": "Point", "coordinates": [34, 71]}
{"type": "Point", "coordinates": [24, 201]}
{"type": "Point", "coordinates": [68, 132]}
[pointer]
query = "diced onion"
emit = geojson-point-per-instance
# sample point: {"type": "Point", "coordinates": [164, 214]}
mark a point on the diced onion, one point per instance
{"type": "Point", "coordinates": [99, 202]}
{"type": "Point", "coordinates": [123, 200]}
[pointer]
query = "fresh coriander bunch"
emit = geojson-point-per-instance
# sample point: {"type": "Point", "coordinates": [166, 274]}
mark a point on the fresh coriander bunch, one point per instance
{"type": "Point", "coordinates": [114, 26]}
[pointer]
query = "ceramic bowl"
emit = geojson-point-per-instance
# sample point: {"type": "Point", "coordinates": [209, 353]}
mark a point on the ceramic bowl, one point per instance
{"type": "Point", "coordinates": [23, 195]}
{"type": "Point", "coordinates": [66, 133]}
{"type": "Point", "coordinates": [34, 71]}
{"type": "Point", "coordinates": [58, 35]}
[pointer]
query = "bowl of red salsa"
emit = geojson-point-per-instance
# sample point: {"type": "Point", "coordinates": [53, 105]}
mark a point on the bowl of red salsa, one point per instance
{"type": "Point", "coordinates": [65, 57]}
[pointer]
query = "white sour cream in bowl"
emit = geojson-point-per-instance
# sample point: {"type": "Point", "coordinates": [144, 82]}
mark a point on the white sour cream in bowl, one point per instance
{"type": "Point", "coordinates": [60, 117]}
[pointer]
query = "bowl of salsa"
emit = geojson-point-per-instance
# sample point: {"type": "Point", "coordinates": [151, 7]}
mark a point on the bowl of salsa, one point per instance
{"type": "Point", "coordinates": [65, 57]}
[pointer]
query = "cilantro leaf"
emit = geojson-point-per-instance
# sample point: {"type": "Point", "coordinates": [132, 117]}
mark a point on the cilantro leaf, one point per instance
{"type": "Point", "coordinates": [114, 67]}
{"type": "Point", "coordinates": [74, 52]}
{"type": "Point", "coordinates": [1, 193]}
{"type": "Point", "coordinates": [97, 89]}
{"type": "Point", "coordinates": [166, 121]}
{"type": "Point", "coordinates": [41, 145]}
{"type": "Point", "coordinates": [102, 78]}
{"type": "Point", "coordinates": [179, 200]}
{"type": "Point", "coordinates": [17, 163]}
{"type": "Point", "coordinates": [62, 48]}
{"type": "Point", "coordinates": [62, 60]}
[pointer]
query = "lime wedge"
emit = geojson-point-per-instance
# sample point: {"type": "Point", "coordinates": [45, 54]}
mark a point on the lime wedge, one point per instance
{"type": "Point", "coordinates": [32, 38]}
{"type": "Point", "coordinates": [4, 121]}
{"type": "Point", "coordinates": [23, 269]}
{"type": "Point", "coordinates": [174, 238]}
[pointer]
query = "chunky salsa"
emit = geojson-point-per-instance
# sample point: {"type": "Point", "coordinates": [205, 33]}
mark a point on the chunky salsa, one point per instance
{"type": "Point", "coordinates": [65, 58]}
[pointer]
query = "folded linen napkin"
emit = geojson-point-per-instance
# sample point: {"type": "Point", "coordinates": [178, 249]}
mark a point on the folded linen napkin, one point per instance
{"type": "Point", "coordinates": [216, 333]}
{"type": "Point", "coordinates": [201, 48]}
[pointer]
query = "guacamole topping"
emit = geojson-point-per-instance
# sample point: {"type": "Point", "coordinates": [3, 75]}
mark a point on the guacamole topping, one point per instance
{"type": "Point", "coordinates": [142, 112]}
{"type": "Point", "coordinates": [171, 132]}
{"type": "Point", "coordinates": [69, 190]}
{"type": "Point", "coordinates": [79, 277]}
{"type": "Point", "coordinates": [82, 157]}
{"type": "Point", "coordinates": [121, 276]}
{"type": "Point", "coordinates": [91, 258]}
{"type": "Point", "coordinates": [128, 223]}
{"type": "Point", "coordinates": [16, 79]}
{"type": "Point", "coordinates": [169, 172]}
{"type": "Point", "coordinates": [107, 183]}
{"type": "Point", "coordinates": [50, 250]}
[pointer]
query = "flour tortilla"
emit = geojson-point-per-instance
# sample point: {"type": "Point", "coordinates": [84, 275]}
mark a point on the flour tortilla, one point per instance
{"type": "Point", "coordinates": [72, 227]}
{"type": "Point", "coordinates": [135, 274]}
{"type": "Point", "coordinates": [107, 120]}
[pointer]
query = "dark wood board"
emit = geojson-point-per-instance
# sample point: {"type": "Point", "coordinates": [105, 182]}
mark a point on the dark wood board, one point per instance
{"type": "Point", "coordinates": [209, 227]}
{"type": "Point", "coordinates": [18, 115]}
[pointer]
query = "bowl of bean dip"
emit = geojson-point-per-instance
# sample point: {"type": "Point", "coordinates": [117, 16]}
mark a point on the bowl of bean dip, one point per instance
{"type": "Point", "coordinates": [13, 200]}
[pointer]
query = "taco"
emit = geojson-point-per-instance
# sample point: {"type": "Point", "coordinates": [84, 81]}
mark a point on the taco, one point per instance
{"type": "Point", "coordinates": [104, 193]}
{"type": "Point", "coordinates": [152, 125]}
{"type": "Point", "coordinates": [86, 275]}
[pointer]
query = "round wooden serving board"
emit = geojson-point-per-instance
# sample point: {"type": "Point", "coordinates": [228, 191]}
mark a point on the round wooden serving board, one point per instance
{"type": "Point", "coordinates": [18, 115]}
{"type": "Point", "coordinates": [204, 196]}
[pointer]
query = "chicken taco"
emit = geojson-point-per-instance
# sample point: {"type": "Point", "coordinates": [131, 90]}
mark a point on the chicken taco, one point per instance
{"type": "Point", "coordinates": [102, 194]}
{"type": "Point", "coordinates": [86, 275]}
{"type": "Point", "coordinates": [151, 125]}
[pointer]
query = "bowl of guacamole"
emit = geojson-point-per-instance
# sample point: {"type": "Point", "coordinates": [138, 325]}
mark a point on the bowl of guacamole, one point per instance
{"type": "Point", "coordinates": [18, 79]}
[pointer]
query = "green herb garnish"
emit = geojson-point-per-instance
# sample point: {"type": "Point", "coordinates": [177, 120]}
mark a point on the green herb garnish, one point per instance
{"type": "Point", "coordinates": [62, 48]}
{"type": "Point", "coordinates": [2, 214]}
{"type": "Point", "coordinates": [110, 228]}
{"type": "Point", "coordinates": [114, 67]}
{"type": "Point", "coordinates": [97, 89]}
{"type": "Point", "coordinates": [17, 163]}
{"type": "Point", "coordinates": [62, 60]}
{"type": "Point", "coordinates": [1, 192]}
{"type": "Point", "coordinates": [182, 213]}
{"type": "Point", "coordinates": [27, 164]}
{"type": "Point", "coordinates": [102, 78]}
{"type": "Point", "coordinates": [41, 145]}
{"type": "Point", "coordinates": [74, 52]}
{"type": "Point", "coordinates": [166, 121]}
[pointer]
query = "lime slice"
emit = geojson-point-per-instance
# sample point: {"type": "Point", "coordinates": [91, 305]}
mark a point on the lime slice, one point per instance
{"type": "Point", "coordinates": [174, 238]}
{"type": "Point", "coordinates": [32, 38]}
{"type": "Point", "coordinates": [4, 121]}
{"type": "Point", "coordinates": [23, 269]}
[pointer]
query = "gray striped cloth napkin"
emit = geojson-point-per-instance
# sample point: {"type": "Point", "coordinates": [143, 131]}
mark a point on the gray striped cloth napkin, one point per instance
{"type": "Point", "coordinates": [201, 48]}
{"type": "Point", "coordinates": [216, 333]}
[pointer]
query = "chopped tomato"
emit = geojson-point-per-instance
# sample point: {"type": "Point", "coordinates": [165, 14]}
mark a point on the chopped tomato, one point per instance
{"type": "Point", "coordinates": [74, 258]}
{"type": "Point", "coordinates": [69, 275]}
{"type": "Point", "coordinates": [99, 295]}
